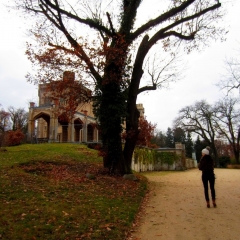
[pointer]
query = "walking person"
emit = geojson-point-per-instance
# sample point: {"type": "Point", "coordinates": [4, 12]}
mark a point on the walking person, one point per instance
{"type": "Point", "coordinates": [206, 165]}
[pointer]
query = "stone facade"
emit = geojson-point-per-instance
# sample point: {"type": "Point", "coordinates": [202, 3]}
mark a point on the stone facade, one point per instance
{"type": "Point", "coordinates": [140, 109]}
{"type": "Point", "coordinates": [45, 121]}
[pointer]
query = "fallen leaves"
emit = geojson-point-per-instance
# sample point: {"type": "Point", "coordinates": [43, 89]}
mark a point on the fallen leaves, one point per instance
{"type": "Point", "coordinates": [75, 173]}
{"type": "Point", "coordinates": [55, 197]}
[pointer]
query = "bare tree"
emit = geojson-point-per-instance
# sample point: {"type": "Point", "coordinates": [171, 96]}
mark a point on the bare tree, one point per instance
{"type": "Point", "coordinates": [226, 120]}
{"type": "Point", "coordinates": [4, 125]}
{"type": "Point", "coordinates": [109, 41]}
{"type": "Point", "coordinates": [231, 80]}
{"type": "Point", "coordinates": [198, 118]}
{"type": "Point", "coordinates": [19, 118]}
{"type": "Point", "coordinates": [4, 120]}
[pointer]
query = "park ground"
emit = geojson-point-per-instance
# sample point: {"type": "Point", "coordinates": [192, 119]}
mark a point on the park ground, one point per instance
{"type": "Point", "coordinates": [175, 208]}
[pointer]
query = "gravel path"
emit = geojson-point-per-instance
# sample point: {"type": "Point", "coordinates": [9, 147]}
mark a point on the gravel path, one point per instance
{"type": "Point", "coordinates": [176, 208]}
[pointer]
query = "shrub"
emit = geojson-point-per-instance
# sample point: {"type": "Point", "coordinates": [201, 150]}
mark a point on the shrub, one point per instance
{"type": "Point", "coordinates": [14, 138]}
{"type": "Point", "coordinates": [224, 161]}
{"type": "Point", "coordinates": [2, 134]}
{"type": "Point", "coordinates": [95, 145]}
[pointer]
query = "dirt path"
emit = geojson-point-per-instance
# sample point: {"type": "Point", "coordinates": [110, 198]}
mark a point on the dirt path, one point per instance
{"type": "Point", "coordinates": [176, 209]}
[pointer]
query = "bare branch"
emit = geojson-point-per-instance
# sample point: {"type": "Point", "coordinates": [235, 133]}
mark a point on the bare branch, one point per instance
{"type": "Point", "coordinates": [110, 22]}
{"type": "Point", "coordinates": [172, 12]}
{"type": "Point", "coordinates": [231, 80]}
{"type": "Point", "coordinates": [89, 22]}
{"type": "Point", "coordinates": [147, 88]}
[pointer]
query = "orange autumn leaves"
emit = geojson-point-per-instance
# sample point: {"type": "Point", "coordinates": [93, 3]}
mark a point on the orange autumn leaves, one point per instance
{"type": "Point", "coordinates": [146, 133]}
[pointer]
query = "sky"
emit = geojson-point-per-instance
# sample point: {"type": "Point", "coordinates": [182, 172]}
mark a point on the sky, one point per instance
{"type": "Point", "coordinates": [203, 71]}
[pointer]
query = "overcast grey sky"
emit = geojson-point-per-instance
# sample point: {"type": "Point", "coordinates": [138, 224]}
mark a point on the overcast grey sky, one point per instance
{"type": "Point", "coordinates": [161, 107]}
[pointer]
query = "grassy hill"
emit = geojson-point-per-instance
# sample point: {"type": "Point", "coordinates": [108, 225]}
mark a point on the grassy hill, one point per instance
{"type": "Point", "coordinates": [45, 194]}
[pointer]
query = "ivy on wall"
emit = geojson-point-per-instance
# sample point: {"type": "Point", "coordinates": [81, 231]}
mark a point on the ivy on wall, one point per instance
{"type": "Point", "coordinates": [167, 157]}
{"type": "Point", "coordinates": [143, 155]}
{"type": "Point", "coordinates": [151, 156]}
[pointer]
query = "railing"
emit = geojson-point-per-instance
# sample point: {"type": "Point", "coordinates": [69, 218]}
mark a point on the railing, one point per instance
{"type": "Point", "coordinates": [42, 140]}
{"type": "Point", "coordinates": [39, 140]}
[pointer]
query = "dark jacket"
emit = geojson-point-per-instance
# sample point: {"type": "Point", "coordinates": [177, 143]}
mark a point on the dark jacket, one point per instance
{"type": "Point", "coordinates": [206, 164]}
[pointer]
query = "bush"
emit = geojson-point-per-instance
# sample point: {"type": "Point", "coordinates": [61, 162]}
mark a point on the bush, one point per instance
{"type": "Point", "coordinates": [95, 145]}
{"type": "Point", "coordinates": [14, 138]}
{"type": "Point", "coordinates": [224, 161]}
{"type": "Point", "coordinates": [1, 138]}
{"type": "Point", "coordinates": [233, 166]}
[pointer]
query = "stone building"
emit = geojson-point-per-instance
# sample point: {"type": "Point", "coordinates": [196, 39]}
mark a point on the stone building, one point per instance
{"type": "Point", "coordinates": [140, 109]}
{"type": "Point", "coordinates": [46, 124]}
{"type": "Point", "coordinates": [45, 121]}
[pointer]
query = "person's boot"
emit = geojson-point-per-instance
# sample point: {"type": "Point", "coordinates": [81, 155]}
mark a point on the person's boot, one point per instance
{"type": "Point", "coordinates": [208, 204]}
{"type": "Point", "coordinates": [214, 203]}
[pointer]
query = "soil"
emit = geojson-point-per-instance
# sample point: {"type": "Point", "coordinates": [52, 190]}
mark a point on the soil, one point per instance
{"type": "Point", "coordinates": [176, 207]}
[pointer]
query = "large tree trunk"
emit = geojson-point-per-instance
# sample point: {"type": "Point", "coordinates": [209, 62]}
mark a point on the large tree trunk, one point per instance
{"type": "Point", "coordinates": [110, 120]}
{"type": "Point", "coordinates": [119, 161]}
{"type": "Point", "coordinates": [132, 135]}
{"type": "Point", "coordinates": [132, 119]}
{"type": "Point", "coordinates": [116, 159]}
{"type": "Point", "coordinates": [113, 110]}
{"type": "Point", "coordinates": [215, 154]}
{"type": "Point", "coordinates": [235, 147]}
{"type": "Point", "coordinates": [236, 155]}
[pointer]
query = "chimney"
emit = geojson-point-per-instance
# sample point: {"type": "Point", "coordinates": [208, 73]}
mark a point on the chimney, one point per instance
{"type": "Point", "coordinates": [32, 104]}
{"type": "Point", "coordinates": [69, 76]}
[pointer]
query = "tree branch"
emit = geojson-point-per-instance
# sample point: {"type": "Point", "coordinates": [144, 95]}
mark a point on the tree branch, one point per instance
{"type": "Point", "coordinates": [129, 15]}
{"type": "Point", "coordinates": [89, 22]}
{"type": "Point", "coordinates": [147, 88]}
{"type": "Point", "coordinates": [110, 22]}
{"type": "Point", "coordinates": [78, 49]}
{"type": "Point", "coordinates": [169, 14]}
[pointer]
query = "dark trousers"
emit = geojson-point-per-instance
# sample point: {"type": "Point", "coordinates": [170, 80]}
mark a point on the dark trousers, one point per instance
{"type": "Point", "coordinates": [208, 177]}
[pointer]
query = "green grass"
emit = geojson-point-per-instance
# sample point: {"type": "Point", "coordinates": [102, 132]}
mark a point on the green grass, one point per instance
{"type": "Point", "coordinates": [45, 194]}
{"type": "Point", "coordinates": [159, 173]}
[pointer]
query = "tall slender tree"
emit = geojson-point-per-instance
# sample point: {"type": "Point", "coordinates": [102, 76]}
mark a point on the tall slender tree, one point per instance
{"type": "Point", "coordinates": [199, 145]}
{"type": "Point", "coordinates": [159, 139]}
{"type": "Point", "coordinates": [179, 135]}
{"type": "Point", "coordinates": [169, 138]}
{"type": "Point", "coordinates": [189, 145]}
{"type": "Point", "coordinates": [117, 42]}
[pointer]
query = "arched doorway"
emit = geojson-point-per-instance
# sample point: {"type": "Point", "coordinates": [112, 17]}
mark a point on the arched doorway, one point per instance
{"type": "Point", "coordinates": [42, 127]}
{"type": "Point", "coordinates": [63, 121]}
{"type": "Point", "coordinates": [78, 125]}
{"type": "Point", "coordinates": [90, 131]}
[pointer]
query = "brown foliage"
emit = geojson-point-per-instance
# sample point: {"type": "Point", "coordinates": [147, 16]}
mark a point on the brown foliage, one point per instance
{"type": "Point", "coordinates": [14, 138]}
{"type": "Point", "coordinates": [67, 95]}
{"type": "Point", "coordinates": [146, 133]}
{"type": "Point", "coordinates": [75, 173]}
